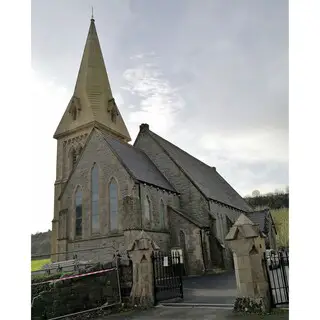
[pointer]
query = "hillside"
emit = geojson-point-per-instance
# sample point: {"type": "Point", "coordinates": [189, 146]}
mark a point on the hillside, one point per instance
{"type": "Point", "coordinates": [281, 220]}
{"type": "Point", "coordinates": [278, 202]}
{"type": "Point", "coordinates": [272, 200]}
{"type": "Point", "coordinates": [41, 243]}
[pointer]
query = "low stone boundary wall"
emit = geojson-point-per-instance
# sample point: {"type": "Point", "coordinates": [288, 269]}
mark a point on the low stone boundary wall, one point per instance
{"type": "Point", "coordinates": [62, 294]}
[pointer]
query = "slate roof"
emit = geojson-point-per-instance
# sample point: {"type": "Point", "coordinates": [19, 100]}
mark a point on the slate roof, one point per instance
{"type": "Point", "coordinates": [208, 180]}
{"type": "Point", "coordinates": [261, 218]}
{"type": "Point", "coordinates": [188, 217]}
{"type": "Point", "coordinates": [138, 164]}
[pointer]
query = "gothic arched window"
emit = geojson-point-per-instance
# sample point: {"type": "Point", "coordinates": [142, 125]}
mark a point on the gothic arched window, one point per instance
{"type": "Point", "coordinates": [95, 221]}
{"type": "Point", "coordinates": [78, 213]}
{"type": "Point", "coordinates": [113, 202]}
{"type": "Point", "coordinates": [147, 206]}
{"type": "Point", "coordinates": [162, 214]}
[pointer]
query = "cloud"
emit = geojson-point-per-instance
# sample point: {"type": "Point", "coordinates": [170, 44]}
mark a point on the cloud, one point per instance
{"type": "Point", "coordinates": [48, 101]}
{"type": "Point", "coordinates": [250, 146]}
{"type": "Point", "coordinates": [142, 55]}
{"type": "Point", "coordinates": [158, 103]}
{"type": "Point", "coordinates": [214, 81]}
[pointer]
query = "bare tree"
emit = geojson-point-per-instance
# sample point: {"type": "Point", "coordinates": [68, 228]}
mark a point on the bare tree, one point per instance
{"type": "Point", "coordinates": [278, 191]}
{"type": "Point", "coordinates": [256, 193]}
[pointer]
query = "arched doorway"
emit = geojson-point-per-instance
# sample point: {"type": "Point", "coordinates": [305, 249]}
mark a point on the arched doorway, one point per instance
{"type": "Point", "coordinates": [183, 246]}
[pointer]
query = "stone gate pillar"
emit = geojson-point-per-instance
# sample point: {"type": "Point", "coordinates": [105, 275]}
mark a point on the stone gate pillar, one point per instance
{"type": "Point", "coordinates": [247, 243]}
{"type": "Point", "coordinates": [140, 252]}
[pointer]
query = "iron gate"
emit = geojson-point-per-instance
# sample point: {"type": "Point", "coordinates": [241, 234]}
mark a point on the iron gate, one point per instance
{"type": "Point", "coordinates": [277, 266]}
{"type": "Point", "coordinates": [167, 274]}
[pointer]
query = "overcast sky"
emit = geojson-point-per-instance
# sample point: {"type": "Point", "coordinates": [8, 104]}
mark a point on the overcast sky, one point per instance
{"type": "Point", "coordinates": [208, 75]}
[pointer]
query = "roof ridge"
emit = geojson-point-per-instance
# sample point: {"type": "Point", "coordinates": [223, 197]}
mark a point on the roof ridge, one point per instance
{"type": "Point", "coordinates": [187, 217]}
{"type": "Point", "coordinates": [140, 151]}
{"type": "Point", "coordinates": [231, 198]}
{"type": "Point", "coordinates": [190, 155]}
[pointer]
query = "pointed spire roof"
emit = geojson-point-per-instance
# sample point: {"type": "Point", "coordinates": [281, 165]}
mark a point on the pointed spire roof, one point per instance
{"type": "Point", "coordinates": [92, 98]}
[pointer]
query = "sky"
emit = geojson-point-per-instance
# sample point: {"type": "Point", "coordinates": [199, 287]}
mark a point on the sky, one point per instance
{"type": "Point", "coordinates": [210, 76]}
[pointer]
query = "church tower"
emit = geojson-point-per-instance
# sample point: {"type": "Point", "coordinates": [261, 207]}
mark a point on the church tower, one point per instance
{"type": "Point", "coordinates": [91, 105]}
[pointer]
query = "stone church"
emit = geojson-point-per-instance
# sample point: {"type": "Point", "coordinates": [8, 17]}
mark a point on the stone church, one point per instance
{"type": "Point", "coordinates": [107, 190]}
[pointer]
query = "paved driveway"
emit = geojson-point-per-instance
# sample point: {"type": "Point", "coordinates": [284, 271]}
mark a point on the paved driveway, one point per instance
{"type": "Point", "coordinates": [197, 313]}
{"type": "Point", "coordinates": [210, 289]}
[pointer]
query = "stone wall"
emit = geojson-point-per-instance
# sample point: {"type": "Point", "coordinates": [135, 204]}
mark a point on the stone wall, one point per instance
{"type": "Point", "coordinates": [59, 298]}
{"type": "Point", "coordinates": [156, 195]}
{"type": "Point", "coordinates": [99, 254]}
{"type": "Point", "coordinates": [74, 140]}
{"type": "Point", "coordinates": [193, 254]}
{"type": "Point", "coordinates": [97, 151]}
{"type": "Point", "coordinates": [162, 239]}
{"type": "Point", "coordinates": [220, 213]}
{"type": "Point", "coordinates": [191, 199]}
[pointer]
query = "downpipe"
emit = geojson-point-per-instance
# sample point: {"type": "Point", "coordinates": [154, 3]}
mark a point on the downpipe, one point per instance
{"type": "Point", "coordinates": [202, 251]}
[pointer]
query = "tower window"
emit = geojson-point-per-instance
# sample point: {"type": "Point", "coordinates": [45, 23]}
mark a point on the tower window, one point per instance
{"type": "Point", "coordinates": [114, 115]}
{"type": "Point", "coordinates": [74, 114]}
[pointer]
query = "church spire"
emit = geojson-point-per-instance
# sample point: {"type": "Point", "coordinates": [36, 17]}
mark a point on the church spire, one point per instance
{"type": "Point", "coordinates": [92, 100]}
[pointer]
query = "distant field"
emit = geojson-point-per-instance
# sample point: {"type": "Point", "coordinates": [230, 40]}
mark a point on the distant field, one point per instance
{"type": "Point", "coordinates": [281, 220]}
{"type": "Point", "coordinates": [37, 264]}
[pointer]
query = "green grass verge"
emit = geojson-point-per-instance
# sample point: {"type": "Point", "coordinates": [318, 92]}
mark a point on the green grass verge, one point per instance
{"type": "Point", "coordinates": [38, 264]}
{"type": "Point", "coordinates": [281, 220]}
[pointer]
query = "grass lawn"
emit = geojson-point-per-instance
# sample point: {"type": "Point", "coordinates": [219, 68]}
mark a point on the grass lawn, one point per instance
{"type": "Point", "coordinates": [37, 264]}
{"type": "Point", "coordinates": [281, 220]}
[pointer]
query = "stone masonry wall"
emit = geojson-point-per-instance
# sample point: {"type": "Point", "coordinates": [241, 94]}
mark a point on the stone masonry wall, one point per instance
{"type": "Point", "coordinates": [111, 244]}
{"type": "Point", "coordinates": [156, 195]}
{"type": "Point", "coordinates": [63, 162]}
{"type": "Point", "coordinates": [191, 199]}
{"type": "Point", "coordinates": [220, 213]}
{"type": "Point", "coordinates": [97, 151]}
{"type": "Point", "coordinates": [193, 256]}
{"type": "Point", "coordinates": [162, 239]}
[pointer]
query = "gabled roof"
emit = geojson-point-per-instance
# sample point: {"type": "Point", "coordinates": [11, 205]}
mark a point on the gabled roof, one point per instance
{"type": "Point", "coordinates": [261, 217]}
{"type": "Point", "coordinates": [138, 164]}
{"type": "Point", "coordinates": [188, 217]}
{"type": "Point", "coordinates": [206, 178]}
{"type": "Point", "coordinates": [135, 161]}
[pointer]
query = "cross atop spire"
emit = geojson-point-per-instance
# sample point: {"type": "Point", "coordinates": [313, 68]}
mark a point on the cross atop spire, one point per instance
{"type": "Point", "coordinates": [92, 18]}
